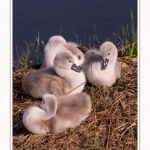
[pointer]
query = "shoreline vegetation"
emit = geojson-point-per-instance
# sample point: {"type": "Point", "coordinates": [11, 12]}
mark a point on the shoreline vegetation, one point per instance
{"type": "Point", "coordinates": [112, 123]}
{"type": "Point", "coordinates": [125, 40]}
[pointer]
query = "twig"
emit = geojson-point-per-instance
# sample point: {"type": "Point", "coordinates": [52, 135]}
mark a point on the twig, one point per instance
{"type": "Point", "coordinates": [75, 88]}
{"type": "Point", "coordinates": [133, 124]}
{"type": "Point", "coordinates": [126, 46]}
{"type": "Point", "coordinates": [108, 136]}
{"type": "Point", "coordinates": [27, 139]}
{"type": "Point", "coordinates": [116, 100]}
{"type": "Point", "coordinates": [39, 45]}
{"type": "Point", "coordinates": [113, 118]}
{"type": "Point", "coordinates": [121, 126]}
{"type": "Point", "coordinates": [132, 87]}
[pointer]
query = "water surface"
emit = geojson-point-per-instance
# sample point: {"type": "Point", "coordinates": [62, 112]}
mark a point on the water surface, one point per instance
{"type": "Point", "coordinates": [49, 16]}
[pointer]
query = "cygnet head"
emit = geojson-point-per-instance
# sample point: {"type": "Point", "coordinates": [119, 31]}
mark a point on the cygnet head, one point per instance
{"type": "Point", "coordinates": [65, 62]}
{"type": "Point", "coordinates": [109, 52]}
{"type": "Point", "coordinates": [56, 40]}
{"type": "Point", "coordinates": [49, 104]}
{"type": "Point", "coordinates": [78, 54]}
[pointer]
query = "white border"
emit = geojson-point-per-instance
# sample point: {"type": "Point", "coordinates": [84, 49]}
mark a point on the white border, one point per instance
{"type": "Point", "coordinates": [5, 75]}
{"type": "Point", "coordinates": [144, 85]}
{"type": "Point", "coordinates": [11, 66]}
{"type": "Point", "coordinates": [138, 25]}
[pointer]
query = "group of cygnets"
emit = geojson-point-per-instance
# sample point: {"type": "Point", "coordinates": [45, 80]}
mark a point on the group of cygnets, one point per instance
{"type": "Point", "coordinates": [60, 82]}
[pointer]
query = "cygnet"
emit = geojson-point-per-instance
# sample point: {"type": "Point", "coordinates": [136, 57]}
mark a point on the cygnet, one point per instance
{"type": "Point", "coordinates": [55, 115]}
{"type": "Point", "coordinates": [63, 78]}
{"type": "Point", "coordinates": [101, 66]}
{"type": "Point", "coordinates": [56, 44]}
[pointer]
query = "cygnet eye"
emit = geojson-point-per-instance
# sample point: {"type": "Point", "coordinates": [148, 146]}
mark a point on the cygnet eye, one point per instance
{"type": "Point", "coordinates": [79, 57]}
{"type": "Point", "coordinates": [70, 61]}
{"type": "Point", "coordinates": [43, 102]}
{"type": "Point", "coordinates": [108, 53]}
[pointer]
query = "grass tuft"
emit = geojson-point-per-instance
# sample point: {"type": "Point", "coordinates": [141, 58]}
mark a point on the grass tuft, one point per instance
{"type": "Point", "coordinates": [125, 39]}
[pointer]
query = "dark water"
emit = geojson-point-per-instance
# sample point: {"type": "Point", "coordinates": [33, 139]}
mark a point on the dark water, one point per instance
{"type": "Point", "coordinates": [48, 16]}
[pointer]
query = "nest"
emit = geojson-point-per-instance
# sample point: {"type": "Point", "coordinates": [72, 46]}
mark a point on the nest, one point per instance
{"type": "Point", "coordinates": [112, 123]}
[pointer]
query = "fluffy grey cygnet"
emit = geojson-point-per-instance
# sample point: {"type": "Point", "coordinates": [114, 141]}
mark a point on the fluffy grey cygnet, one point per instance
{"type": "Point", "coordinates": [56, 44]}
{"type": "Point", "coordinates": [64, 77]}
{"type": "Point", "coordinates": [55, 115]}
{"type": "Point", "coordinates": [101, 66]}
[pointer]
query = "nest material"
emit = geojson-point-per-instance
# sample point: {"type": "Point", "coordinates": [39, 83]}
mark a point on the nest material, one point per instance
{"type": "Point", "coordinates": [111, 125]}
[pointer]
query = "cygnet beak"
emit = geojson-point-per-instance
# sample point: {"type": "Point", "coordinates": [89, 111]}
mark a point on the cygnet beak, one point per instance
{"type": "Point", "coordinates": [75, 68]}
{"type": "Point", "coordinates": [105, 63]}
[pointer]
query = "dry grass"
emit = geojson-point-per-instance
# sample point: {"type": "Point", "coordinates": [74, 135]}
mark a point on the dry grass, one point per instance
{"type": "Point", "coordinates": [111, 125]}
